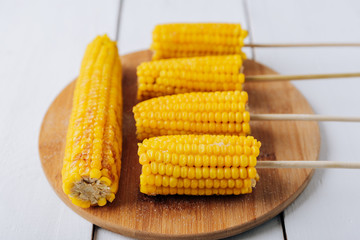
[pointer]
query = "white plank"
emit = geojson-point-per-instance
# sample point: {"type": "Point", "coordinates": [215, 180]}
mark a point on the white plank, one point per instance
{"type": "Point", "coordinates": [41, 46]}
{"type": "Point", "coordinates": [269, 230]}
{"type": "Point", "coordinates": [139, 18]}
{"type": "Point", "coordinates": [305, 21]}
{"type": "Point", "coordinates": [328, 208]}
{"type": "Point", "coordinates": [101, 233]}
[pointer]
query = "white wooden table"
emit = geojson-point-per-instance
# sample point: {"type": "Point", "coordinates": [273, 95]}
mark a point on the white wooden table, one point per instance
{"type": "Point", "coordinates": [41, 46]}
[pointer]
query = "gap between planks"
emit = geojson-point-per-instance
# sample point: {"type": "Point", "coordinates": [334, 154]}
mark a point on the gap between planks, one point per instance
{"type": "Point", "coordinates": [282, 220]}
{"type": "Point", "coordinates": [117, 35]}
{"type": "Point", "coordinates": [248, 23]}
{"type": "Point", "coordinates": [118, 21]}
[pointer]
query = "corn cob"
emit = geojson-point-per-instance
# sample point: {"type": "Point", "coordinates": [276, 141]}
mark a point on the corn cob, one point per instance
{"type": "Point", "coordinates": [196, 74]}
{"type": "Point", "coordinates": [197, 39]}
{"type": "Point", "coordinates": [91, 167]}
{"type": "Point", "coordinates": [193, 113]}
{"type": "Point", "coordinates": [198, 165]}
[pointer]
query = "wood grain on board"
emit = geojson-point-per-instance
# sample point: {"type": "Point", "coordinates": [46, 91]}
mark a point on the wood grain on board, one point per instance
{"type": "Point", "coordinates": [183, 217]}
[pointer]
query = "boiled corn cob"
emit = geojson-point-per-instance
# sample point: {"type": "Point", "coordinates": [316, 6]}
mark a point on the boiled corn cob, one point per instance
{"type": "Point", "coordinates": [91, 167]}
{"type": "Point", "coordinates": [193, 113]}
{"type": "Point", "coordinates": [196, 74]}
{"type": "Point", "coordinates": [198, 165]}
{"type": "Point", "coordinates": [197, 39]}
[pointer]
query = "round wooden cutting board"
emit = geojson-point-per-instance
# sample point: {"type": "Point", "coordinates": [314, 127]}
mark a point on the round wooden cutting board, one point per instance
{"type": "Point", "coordinates": [186, 217]}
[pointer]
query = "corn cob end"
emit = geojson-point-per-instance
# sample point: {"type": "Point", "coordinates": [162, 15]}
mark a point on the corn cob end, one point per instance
{"type": "Point", "coordinates": [89, 191]}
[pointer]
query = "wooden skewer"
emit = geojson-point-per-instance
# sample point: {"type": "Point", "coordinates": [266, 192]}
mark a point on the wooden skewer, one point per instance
{"type": "Point", "coordinates": [303, 117]}
{"type": "Point", "coordinates": [279, 45]}
{"type": "Point", "coordinates": [307, 164]}
{"type": "Point", "coordinates": [263, 78]}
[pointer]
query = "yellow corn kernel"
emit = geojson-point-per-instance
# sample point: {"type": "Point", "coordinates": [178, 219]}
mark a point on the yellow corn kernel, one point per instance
{"type": "Point", "coordinates": [191, 173]}
{"type": "Point", "coordinates": [106, 180]}
{"type": "Point", "coordinates": [146, 169]}
{"type": "Point", "coordinates": [243, 173]}
{"type": "Point", "coordinates": [80, 203]}
{"type": "Point", "coordinates": [247, 150]}
{"type": "Point", "coordinates": [114, 187]}
{"type": "Point", "coordinates": [110, 197]}
{"type": "Point", "coordinates": [205, 172]}
{"type": "Point", "coordinates": [239, 183]}
{"type": "Point", "coordinates": [235, 173]}
{"type": "Point", "coordinates": [165, 181]}
{"type": "Point", "coordinates": [187, 183]}
{"type": "Point", "coordinates": [143, 159]}
{"type": "Point", "coordinates": [158, 180]}
{"type": "Point", "coordinates": [231, 183]}
{"type": "Point", "coordinates": [95, 173]}
{"type": "Point", "coordinates": [252, 161]}
{"type": "Point", "coordinates": [183, 171]}
{"type": "Point", "coordinates": [206, 159]}
{"type": "Point", "coordinates": [102, 201]}
{"type": "Point", "coordinates": [190, 160]}
{"type": "Point", "coordinates": [150, 180]}
{"type": "Point", "coordinates": [227, 172]}
{"type": "Point", "coordinates": [194, 183]}
{"type": "Point", "coordinates": [94, 136]}
{"type": "Point", "coordinates": [180, 183]}
{"type": "Point", "coordinates": [236, 161]}
{"type": "Point", "coordinates": [67, 187]}
{"type": "Point", "coordinates": [244, 161]}
{"type": "Point", "coordinates": [169, 169]}
{"type": "Point", "coordinates": [161, 168]}
{"type": "Point", "coordinates": [247, 183]}
{"type": "Point", "coordinates": [173, 182]}
{"type": "Point", "coordinates": [251, 172]}
{"type": "Point", "coordinates": [255, 151]}
{"type": "Point", "coordinates": [213, 173]}
{"type": "Point", "coordinates": [154, 168]}
{"type": "Point", "coordinates": [198, 173]}
{"type": "Point", "coordinates": [176, 171]}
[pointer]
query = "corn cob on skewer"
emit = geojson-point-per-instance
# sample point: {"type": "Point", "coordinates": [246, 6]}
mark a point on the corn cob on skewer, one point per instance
{"type": "Point", "coordinates": [92, 161]}
{"type": "Point", "coordinates": [196, 74]}
{"type": "Point", "coordinates": [197, 39]}
{"type": "Point", "coordinates": [193, 113]}
{"type": "Point", "coordinates": [205, 74]}
{"type": "Point", "coordinates": [198, 165]}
